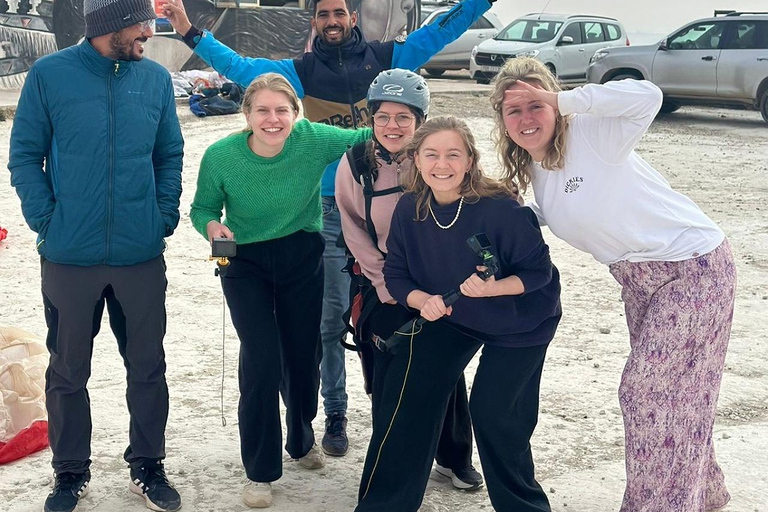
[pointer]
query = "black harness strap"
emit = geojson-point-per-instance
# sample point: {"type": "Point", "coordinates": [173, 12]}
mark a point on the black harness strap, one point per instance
{"type": "Point", "coordinates": [365, 175]}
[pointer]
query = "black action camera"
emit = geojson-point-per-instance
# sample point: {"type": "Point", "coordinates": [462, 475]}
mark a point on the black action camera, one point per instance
{"type": "Point", "coordinates": [481, 245]}
{"type": "Point", "coordinates": [223, 248]}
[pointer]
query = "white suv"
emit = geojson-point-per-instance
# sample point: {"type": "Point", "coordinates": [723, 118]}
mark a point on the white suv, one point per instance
{"type": "Point", "coordinates": [720, 61]}
{"type": "Point", "coordinates": [565, 43]}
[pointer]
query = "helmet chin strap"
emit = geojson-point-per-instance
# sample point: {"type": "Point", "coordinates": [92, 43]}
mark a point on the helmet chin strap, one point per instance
{"type": "Point", "coordinates": [381, 151]}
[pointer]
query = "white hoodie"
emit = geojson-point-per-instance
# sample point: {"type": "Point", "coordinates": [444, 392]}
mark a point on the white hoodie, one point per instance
{"type": "Point", "coordinates": [608, 201]}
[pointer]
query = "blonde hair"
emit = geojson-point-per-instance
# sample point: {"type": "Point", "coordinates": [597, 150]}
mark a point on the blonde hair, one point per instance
{"type": "Point", "coordinates": [273, 82]}
{"type": "Point", "coordinates": [515, 160]}
{"type": "Point", "coordinates": [475, 184]}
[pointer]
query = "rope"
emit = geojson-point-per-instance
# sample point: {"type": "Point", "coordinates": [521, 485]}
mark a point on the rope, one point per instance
{"type": "Point", "coordinates": [223, 362]}
{"type": "Point", "coordinates": [412, 334]}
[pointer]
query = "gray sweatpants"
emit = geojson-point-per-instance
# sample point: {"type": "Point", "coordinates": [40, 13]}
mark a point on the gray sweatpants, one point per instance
{"type": "Point", "coordinates": [74, 299]}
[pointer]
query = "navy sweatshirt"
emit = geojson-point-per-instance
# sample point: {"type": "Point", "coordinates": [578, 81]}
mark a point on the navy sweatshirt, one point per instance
{"type": "Point", "coordinates": [422, 256]}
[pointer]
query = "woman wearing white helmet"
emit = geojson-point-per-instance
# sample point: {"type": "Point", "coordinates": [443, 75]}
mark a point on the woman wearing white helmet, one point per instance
{"type": "Point", "coordinates": [367, 190]}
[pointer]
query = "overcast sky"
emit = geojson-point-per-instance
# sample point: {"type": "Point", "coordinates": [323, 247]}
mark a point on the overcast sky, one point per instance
{"type": "Point", "coordinates": [637, 16]}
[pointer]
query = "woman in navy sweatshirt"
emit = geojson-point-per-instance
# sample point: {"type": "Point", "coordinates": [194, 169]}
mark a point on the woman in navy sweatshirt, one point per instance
{"type": "Point", "coordinates": [513, 315]}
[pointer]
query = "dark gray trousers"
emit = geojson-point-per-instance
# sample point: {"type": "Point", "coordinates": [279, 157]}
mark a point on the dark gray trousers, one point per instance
{"type": "Point", "coordinates": [74, 299]}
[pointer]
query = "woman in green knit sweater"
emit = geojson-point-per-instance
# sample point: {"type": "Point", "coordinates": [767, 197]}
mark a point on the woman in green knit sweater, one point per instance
{"type": "Point", "coordinates": [267, 180]}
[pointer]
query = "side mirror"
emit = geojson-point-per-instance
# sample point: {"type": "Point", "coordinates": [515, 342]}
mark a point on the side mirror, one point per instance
{"type": "Point", "coordinates": [664, 44]}
{"type": "Point", "coordinates": [565, 40]}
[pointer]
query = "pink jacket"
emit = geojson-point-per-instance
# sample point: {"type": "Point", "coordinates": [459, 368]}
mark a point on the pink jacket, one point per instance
{"type": "Point", "coordinates": [351, 204]}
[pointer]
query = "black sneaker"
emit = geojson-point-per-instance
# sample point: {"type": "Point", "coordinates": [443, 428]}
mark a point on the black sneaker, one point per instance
{"type": "Point", "coordinates": [150, 481]}
{"type": "Point", "coordinates": [335, 441]}
{"type": "Point", "coordinates": [466, 479]}
{"type": "Point", "coordinates": [67, 490]}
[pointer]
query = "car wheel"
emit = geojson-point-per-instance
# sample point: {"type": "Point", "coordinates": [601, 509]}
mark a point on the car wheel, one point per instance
{"type": "Point", "coordinates": [624, 76]}
{"type": "Point", "coordinates": [552, 69]}
{"type": "Point", "coordinates": [764, 106]}
{"type": "Point", "coordinates": [669, 106]}
{"type": "Point", "coordinates": [483, 81]}
{"type": "Point", "coordinates": [434, 71]}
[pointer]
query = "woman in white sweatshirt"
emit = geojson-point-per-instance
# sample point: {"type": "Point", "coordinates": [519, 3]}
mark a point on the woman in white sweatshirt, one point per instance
{"type": "Point", "coordinates": [576, 149]}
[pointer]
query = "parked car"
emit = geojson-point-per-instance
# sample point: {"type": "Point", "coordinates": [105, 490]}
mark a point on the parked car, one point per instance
{"type": "Point", "coordinates": [456, 55]}
{"type": "Point", "coordinates": [565, 43]}
{"type": "Point", "coordinates": [719, 61]}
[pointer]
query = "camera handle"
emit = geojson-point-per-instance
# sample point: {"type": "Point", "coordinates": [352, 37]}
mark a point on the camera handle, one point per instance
{"type": "Point", "coordinates": [222, 263]}
{"type": "Point", "coordinates": [221, 250]}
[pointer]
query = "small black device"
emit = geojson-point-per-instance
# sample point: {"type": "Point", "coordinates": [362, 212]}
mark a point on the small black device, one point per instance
{"type": "Point", "coordinates": [481, 245]}
{"type": "Point", "coordinates": [223, 248]}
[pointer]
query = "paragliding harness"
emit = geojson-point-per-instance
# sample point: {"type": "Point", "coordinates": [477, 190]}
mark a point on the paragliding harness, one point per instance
{"type": "Point", "coordinates": [362, 295]}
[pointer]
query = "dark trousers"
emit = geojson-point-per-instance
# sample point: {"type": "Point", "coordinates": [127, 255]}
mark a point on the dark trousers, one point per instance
{"type": "Point", "coordinates": [274, 290]}
{"type": "Point", "coordinates": [454, 448]}
{"type": "Point", "coordinates": [504, 406]}
{"type": "Point", "coordinates": [74, 299]}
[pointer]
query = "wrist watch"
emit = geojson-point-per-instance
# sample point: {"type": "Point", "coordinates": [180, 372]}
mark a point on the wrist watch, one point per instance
{"type": "Point", "coordinates": [193, 36]}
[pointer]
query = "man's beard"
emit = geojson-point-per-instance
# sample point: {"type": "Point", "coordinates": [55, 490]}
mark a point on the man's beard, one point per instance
{"type": "Point", "coordinates": [346, 33]}
{"type": "Point", "coordinates": [123, 50]}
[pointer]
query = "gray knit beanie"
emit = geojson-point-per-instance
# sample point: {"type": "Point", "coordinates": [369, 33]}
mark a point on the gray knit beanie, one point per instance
{"type": "Point", "coordinates": [105, 16]}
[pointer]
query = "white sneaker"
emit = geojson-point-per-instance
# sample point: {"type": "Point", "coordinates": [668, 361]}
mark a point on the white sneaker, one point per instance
{"type": "Point", "coordinates": [257, 494]}
{"type": "Point", "coordinates": [314, 459]}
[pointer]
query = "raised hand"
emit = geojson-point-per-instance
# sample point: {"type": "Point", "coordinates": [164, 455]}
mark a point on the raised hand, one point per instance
{"type": "Point", "coordinates": [522, 93]}
{"type": "Point", "coordinates": [177, 15]}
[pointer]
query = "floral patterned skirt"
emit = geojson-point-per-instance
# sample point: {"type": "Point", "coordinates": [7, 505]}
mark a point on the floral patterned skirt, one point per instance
{"type": "Point", "coordinates": [679, 316]}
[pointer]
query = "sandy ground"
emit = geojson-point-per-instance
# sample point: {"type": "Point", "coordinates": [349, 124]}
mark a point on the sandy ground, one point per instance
{"type": "Point", "coordinates": [718, 157]}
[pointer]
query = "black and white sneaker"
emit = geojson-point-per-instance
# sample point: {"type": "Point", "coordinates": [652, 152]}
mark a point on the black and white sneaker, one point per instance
{"type": "Point", "coordinates": [67, 491]}
{"type": "Point", "coordinates": [466, 479]}
{"type": "Point", "coordinates": [150, 481]}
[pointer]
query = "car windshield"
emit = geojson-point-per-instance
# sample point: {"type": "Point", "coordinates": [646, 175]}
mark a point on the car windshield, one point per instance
{"type": "Point", "coordinates": [530, 31]}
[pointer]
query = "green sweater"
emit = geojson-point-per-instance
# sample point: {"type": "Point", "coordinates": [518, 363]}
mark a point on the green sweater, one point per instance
{"type": "Point", "coordinates": [268, 198]}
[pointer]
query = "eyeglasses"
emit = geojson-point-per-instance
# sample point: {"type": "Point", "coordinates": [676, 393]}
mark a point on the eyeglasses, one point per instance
{"type": "Point", "coordinates": [147, 25]}
{"type": "Point", "coordinates": [402, 120]}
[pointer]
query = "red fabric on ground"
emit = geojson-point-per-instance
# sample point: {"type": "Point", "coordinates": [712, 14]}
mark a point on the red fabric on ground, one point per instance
{"type": "Point", "coordinates": [30, 440]}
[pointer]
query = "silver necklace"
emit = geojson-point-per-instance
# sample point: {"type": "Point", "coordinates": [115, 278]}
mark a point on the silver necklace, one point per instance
{"type": "Point", "coordinates": [455, 218]}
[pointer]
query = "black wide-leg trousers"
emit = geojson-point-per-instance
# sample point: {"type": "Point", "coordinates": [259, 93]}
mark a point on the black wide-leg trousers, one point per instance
{"type": "Point", "coordinates": [409, 417]}
{"type": "Point", "coordinates": [454, 448]}
{"type": "Point", "coordinates": [274, 290]}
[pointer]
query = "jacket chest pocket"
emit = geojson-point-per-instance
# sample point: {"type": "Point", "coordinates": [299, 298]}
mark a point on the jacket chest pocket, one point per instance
{"type": "Point", "coordinates": [137, 119]}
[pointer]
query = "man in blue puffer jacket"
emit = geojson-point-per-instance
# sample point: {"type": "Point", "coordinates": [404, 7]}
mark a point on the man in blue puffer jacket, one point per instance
{"type": "Point", "coordinates": [96, 158]}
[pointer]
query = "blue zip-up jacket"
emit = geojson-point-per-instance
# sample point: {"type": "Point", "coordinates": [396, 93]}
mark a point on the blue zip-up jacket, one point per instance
{"type": "Point", "coordinates": [96, 157]}
{"type": "Point", "coordinates": [333, 81]}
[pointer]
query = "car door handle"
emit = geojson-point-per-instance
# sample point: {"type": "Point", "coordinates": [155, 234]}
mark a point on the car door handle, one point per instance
{"type": "Point", "coordinates": [762, 59]}
{"type": "Point", "coordinates": [481, 36]}
{"type": "Point", "coordinates": [581, 50]}
{"type": "Point", "coordinates": [708, 58]}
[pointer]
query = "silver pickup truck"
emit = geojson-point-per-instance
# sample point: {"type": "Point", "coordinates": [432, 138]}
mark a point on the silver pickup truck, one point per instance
{"type": "Point", "coordinates": [720, 61]}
